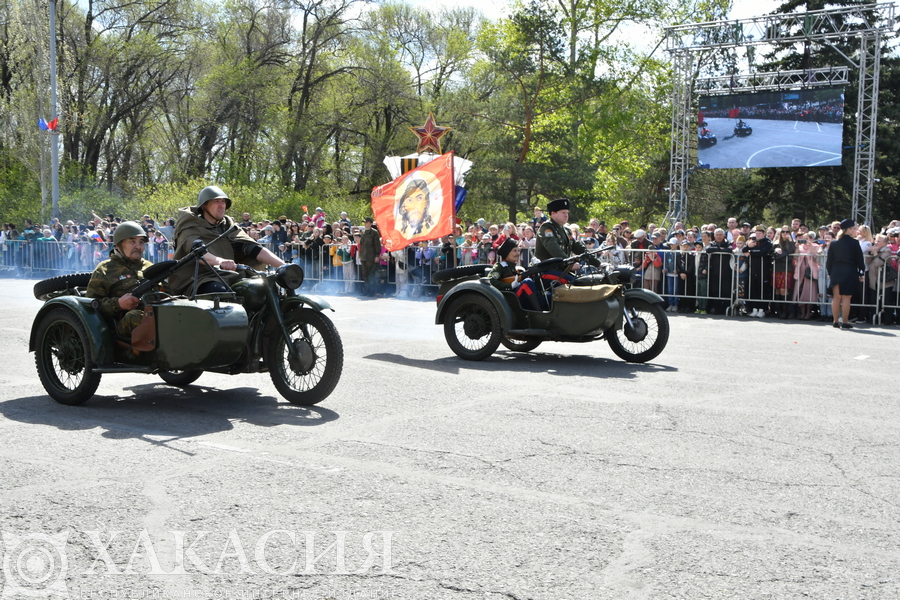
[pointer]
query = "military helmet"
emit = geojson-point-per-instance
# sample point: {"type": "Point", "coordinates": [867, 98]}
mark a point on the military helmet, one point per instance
{"type": "Point", "coordinates": [212, 192]}
{"type": "Point", "coordinates": [128, 229]}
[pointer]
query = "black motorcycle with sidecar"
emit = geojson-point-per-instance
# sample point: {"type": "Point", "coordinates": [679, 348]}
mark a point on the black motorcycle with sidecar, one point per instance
{"type": "Point", "coordinates": [742, 129]}
{"type": "Point", "coordinates": [261, 325]}
{"type": "Point", "coordinates": [477, 317]}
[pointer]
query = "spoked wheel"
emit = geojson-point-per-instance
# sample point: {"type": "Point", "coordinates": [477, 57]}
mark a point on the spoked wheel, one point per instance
{"type": "Point", "coordinates": [472, 327]}
{"type": "Point", "coordinates": [520, 345]}
{"type": "Point", "coordinates": [181, 378]}
{"type": "Point", "coordinates": [647, 338]}
{"type": "Point", "coordinates": [311, 376]}
{"type": "Point", "coordinates": [63, 358]}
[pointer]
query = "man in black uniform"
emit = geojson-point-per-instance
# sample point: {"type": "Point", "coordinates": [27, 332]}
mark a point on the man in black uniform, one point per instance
{"type": "Point", "coordinates": [554, 238]}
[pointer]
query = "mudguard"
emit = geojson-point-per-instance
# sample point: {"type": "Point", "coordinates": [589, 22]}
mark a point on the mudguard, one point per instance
{"type": "Point", "coordinates": [649, 296]}
{"type": "Point", "coordinates": [477, 286]}
{"type": "Point", "coordinates": [95, 325]}
{"type": "Point", "coordinates": [317, 302]}
{"type": "Point", "coordinates": [264, 322]}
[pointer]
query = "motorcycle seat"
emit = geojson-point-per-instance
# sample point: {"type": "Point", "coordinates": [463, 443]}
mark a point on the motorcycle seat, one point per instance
{"type": "Point", "coordinates": [582, 294]}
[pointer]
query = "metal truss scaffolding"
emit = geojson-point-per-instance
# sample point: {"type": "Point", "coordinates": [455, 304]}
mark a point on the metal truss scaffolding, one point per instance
{"type": "Point", "coordinates": [866, 22]}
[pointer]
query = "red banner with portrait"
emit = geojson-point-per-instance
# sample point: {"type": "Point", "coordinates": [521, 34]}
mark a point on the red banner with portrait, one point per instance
{"type": "Point", "coordinates": [417, 206]}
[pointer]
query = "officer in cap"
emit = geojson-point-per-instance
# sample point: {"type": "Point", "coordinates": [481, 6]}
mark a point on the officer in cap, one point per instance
{"type": "Point", "coordinates": [554, 238]}
{"type": "Point", "coordinates": [206, 221]}
{"type": "Point", "coordinates": [113, 279]}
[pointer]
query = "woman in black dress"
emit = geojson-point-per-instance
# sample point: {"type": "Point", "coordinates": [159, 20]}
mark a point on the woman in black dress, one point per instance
{"type": "Point", "coordinates": [846, 268]}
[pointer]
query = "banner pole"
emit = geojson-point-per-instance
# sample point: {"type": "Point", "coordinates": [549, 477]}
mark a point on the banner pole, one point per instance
{"type": "Point", "coordinates": [453, 213]}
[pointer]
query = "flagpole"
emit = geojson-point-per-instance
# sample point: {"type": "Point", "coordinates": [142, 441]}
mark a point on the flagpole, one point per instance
{"type": "Point", "coordinates": [453, 217]}
{"type": "Point", "coordinates": [54, 135]}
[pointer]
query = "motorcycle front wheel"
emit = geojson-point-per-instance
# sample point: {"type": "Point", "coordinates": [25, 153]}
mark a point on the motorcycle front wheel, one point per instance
{"type": "Point", "coordinates": [312, 375]}
{"type": "Point", "coordinates": [647, 338]}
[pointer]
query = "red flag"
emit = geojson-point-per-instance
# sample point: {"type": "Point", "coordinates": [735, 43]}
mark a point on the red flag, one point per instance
{"type": "Point", "coordinates": [733, 113]}
{"type": "Point", "coordinates": [52, 124]}
{"type": "Point", "coordinates": [417, 206]}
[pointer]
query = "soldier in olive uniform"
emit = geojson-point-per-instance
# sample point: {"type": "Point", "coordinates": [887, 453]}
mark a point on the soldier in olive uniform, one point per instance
{"type": "Point", "coordinates": [505, 276]}
{"type": "Point", "coordinates": [206, 221]}
{"type": "Point", "coordinates": [113, 279]}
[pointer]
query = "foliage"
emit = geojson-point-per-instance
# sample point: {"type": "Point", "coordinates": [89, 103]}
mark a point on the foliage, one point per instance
{"type": "Point", "coordinates": [296, 104]}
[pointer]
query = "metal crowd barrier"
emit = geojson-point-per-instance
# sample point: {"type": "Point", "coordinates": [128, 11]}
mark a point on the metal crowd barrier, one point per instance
{"type": "Point", "coordinates": [732, 284]}
{"type": "Point", "coordinates": [735, 284]}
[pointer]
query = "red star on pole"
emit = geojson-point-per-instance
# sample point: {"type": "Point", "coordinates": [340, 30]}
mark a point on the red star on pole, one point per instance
{"type": "Point", "coordinates": [429, 136]}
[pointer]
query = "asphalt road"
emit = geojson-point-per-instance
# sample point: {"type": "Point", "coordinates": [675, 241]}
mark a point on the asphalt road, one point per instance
{"type": "Point", "coordinates": [773, 144]}
{"type": "Point", "coordinates": [752, 459]}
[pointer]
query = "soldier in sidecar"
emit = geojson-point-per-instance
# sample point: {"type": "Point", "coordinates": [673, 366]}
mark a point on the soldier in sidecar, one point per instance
{"type": "Point", "coordinates": [113, 279]}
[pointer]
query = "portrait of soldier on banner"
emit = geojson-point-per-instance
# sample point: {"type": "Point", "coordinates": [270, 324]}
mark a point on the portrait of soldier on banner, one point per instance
{"type": "Point", "coordinates": [414, 212]}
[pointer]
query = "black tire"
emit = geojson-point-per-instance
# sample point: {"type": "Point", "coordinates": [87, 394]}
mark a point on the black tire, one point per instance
{"type": "Point", "coordinates": [181, 378]}
{"type": "Point", "coordinates": [63, 358]}
{"type": "Point", "coordinates": [445, 275]}
{"type": "Point", "coordinates": [50, 288]}
{"type": "Point", "coordinates": [313, 378]}
{"type": "Point", "coordinates": [472, 327]}
{"type": "Point", "coordinates": [643, 345]}
{"type": "Point", "coordinates": [713, 142]}
{"type": "Point", "coordinates": [520, 345]}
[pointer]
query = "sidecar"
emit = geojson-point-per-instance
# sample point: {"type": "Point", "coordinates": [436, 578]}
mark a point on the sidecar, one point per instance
{"type": "Point", "coordinates": [477, 317]}
{"type": "Point", "coordinates": [742, 129]}
{"type": "Point", "coordinates": [706, 139]}
{"type": "Point", "coordinates": [179, 338]}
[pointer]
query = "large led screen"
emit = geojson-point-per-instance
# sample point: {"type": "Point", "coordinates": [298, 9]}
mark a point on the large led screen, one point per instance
{"type": "Point", "coordinates": [792, 128]}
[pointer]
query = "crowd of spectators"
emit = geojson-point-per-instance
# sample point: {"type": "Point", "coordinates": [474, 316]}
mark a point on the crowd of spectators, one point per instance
{"type": "Point", "coordinates": [820, 113]}
{"type": "Point", "coordinates": [737, 269]}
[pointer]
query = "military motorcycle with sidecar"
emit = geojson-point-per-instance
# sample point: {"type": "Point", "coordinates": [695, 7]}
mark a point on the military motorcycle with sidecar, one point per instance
{"type": "Point", "coordinates": [261, 325]}
{"type": "Point", "coordinates": [742, 129]}
{"type": "Point", "coordinates": [477, 317]}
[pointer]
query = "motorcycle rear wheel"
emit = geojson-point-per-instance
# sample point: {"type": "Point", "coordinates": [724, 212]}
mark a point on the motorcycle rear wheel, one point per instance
{"type": "Point", "coordinates": [520, 345]}
{"type": "Point", "coordinates": [312, 377]}
{"type": "Point", "coordinates": [648, 339]}
{"type": "Point", "coordinates": [63, 358]}
{"type": "Point", "coordinates": [181, 378]}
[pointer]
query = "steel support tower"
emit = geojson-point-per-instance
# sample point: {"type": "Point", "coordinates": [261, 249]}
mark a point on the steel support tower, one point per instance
{"type": "Point", "coordinates": [868, 23]}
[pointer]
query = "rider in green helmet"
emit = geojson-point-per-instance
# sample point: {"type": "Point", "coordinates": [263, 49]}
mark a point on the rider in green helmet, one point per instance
{"type": "Point", "coordinates": [206, 221]}
{"type": "Point", "coordinates": [113, 279]}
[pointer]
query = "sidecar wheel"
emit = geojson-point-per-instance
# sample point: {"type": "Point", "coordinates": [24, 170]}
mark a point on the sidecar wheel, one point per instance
{"type": "Point", "coordinates": [472, 327]}
{"type": "Point", "coordinates": [181, 378]}
{"type": "Point", "coordinates": [465, 272]}
{"type": "Point", "coordinates": [63, 358]}
{"type": "Point", "coordinates": [520, 345]}
{"type": "Point", "coordinates": [648, 339]}
{"type": "Point", "coordinates": [58, 286]}
{"type": "Point", "coordinates": [311, 377]}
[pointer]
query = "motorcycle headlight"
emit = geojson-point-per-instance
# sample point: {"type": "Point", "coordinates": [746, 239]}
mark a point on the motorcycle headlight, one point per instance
{"type": "Point", "coordinates": [290, 277]}
{"type": "Point", "coordinates": [624, 275]}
